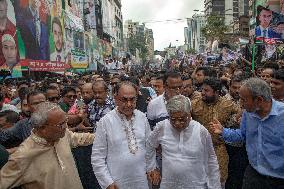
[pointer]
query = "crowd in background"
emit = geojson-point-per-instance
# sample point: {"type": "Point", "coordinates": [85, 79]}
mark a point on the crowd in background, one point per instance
{"type": "Point", "coordinates": [90, 100]}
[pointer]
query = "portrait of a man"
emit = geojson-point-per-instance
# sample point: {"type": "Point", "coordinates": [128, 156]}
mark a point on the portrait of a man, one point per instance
{"type": "Point", "coordinates": [33, 30]}
{"type": "Point", "coordinates": [58, 55]}
{"type": "Point", "coordinates": [265, 17]}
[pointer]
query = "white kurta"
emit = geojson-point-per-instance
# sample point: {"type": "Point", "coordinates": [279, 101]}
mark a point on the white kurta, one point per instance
{"type": "Point", "coordinates": [111, 157]}
{"type": "Point", "coordinates": [189, 160]}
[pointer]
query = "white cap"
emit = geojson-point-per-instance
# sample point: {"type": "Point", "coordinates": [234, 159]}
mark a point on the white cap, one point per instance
{"type": "Point", "coordinates": [8, 37]}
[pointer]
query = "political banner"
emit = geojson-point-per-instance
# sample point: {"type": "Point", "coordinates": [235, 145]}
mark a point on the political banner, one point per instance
{"type": "Point", "coordinates": [57, 37]}
{"type": "Point", "coordinates": [270, 26]}
{"type": "Point", "coordinates": [9, 53]}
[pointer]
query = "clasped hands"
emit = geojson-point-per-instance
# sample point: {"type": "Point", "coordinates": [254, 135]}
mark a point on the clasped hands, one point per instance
{"type": "Point", "coordinates": [154, 176]}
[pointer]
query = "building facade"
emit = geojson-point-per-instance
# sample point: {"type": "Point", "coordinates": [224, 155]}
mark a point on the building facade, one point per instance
{"type": "Point", "coordinates": [193, 35]}
{"type": "Point", "coordinates": [131, 29]}
{"type": "Point", "coordinates": [232, 10]}
{"type": "Point", "coordinates": [118, 27]}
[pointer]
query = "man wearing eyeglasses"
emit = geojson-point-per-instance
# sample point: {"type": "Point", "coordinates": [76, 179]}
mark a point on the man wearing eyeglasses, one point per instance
{"type": "Point", "coordinates": [68, 98]}
{"type": "Point", "coordinates": [118, 155]}
{"type": "Point", "coordinates": [44, 160]}
{"type": "Point", "coordinates": [14, 136]}
{"type": "Point", "coordinates": [156, 110]}
{"type": "Point", "coordinates": [67, 101]}
{"type": "Point", "coordinates": [189, 160]}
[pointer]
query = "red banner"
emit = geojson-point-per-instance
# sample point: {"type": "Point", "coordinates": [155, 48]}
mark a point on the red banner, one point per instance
{"type": "Point", "coordinates": [41, 65]}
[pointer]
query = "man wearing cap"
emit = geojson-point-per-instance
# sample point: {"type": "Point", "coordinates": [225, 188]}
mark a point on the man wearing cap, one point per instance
{"type": "Point", "coordinates": [6, 26]}
{"type": "Point", "coordinates": [9, 50]}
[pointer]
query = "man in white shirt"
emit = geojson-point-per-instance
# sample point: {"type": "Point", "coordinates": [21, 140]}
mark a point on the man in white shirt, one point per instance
{"type": "Point", "coordinates": [118, 155]}
{"type": "Point", "coordinates": [189, 159]}
{"type": "Point", "coordinates": [116, 64]}
{"type": "Point", "coordinates": [156, 110]}
{"type": "Point", "coordinates": [107, 64]}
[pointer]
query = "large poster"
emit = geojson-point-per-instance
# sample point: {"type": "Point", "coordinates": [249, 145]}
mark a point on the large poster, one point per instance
{"type": "Point", "coordinates": [9, 56]}
{"type": "Point", "coordinates": [78, 53]}
{"type": "Point", "coordinates": [32, 23]}
{"type": "Point", "coordinates": [91, 15]}
{"type": "Point", "coordinates": [270, 26]}
{"type": "Point", "coordinates": [57, 35]}
{"type": "Point", "coordinates": [40, 34]}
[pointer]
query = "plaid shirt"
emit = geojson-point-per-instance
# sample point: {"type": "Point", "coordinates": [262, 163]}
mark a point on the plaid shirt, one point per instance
{"type": "Point", "coordinates": [95, 112]}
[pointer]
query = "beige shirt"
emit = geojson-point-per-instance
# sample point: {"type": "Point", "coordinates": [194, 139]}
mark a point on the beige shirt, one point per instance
{"type": "Point", "coordinates": [35, 165]}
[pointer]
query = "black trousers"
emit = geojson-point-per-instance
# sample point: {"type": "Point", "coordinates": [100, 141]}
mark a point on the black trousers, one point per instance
{"type": "Point", "coordinates": [82, 157]}
{"type": "Point", "coordinates": [238, 162]}
{"type": "Point", "coordinates": [254, 180]}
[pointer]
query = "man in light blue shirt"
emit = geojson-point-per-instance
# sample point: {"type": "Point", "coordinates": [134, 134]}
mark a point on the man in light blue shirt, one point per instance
{"type": "Point", "coordinates": [262, 128]}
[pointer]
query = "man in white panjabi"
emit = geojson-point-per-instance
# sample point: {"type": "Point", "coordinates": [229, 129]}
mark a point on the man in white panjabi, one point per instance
{"type": "Point", "coordinates": [44, 160]}
{"type": "Point", "coordinates": [189, 159]}
{"type": "Point", "coordinates": [118, 155]}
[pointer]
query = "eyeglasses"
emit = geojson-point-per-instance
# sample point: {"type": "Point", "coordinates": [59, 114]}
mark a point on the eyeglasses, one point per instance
{"type": "Point", "coordinates": [126, 100]}
{"type": "Point", "coordinates": [52, 99]}
{"type": "Point", "coordinates": [180, 120]}
{"type": "Point", "coordinates": [187, 86]}
{"type": "Point", "coordinates": [62, 125]}
{"type": "Point", "coordinates": [36, 103]}
{"type": "Point", "coordinates": [174, 89]}
{"type": "Point", "coordinates": [71, 96]}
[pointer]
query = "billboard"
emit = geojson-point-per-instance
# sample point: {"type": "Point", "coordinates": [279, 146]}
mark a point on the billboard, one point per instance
{"type": "Point", "coordinates": [270, 26]}
{"type": "Point", "coordinates": [9, 53]}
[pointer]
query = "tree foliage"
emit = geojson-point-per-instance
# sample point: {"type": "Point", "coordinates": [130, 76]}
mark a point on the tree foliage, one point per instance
{"type": "Point", "coordinates": [138, 41]}
{"type": "Point", "coordinates": [215, 27]}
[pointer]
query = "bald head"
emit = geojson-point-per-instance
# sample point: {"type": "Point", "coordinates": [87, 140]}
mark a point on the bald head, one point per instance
{"type": "Point", "coordinates": [87, 85]}
{"type": "Point", "coordinates": [100, 90]}
{"type": "Point", "coordinates": [87, 92]}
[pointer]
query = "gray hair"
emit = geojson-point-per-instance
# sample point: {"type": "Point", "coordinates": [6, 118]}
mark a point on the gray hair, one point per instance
{"type": "Point", "coordinates": [179, 103]}
{"type": "Point", "coordinates": [40, 116]}
{"type": "Point", "coordinates": [258, 87]}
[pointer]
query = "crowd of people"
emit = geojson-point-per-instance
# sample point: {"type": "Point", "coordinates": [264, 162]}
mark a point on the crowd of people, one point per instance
{"type": "Point", "coordinates": [197, 127]}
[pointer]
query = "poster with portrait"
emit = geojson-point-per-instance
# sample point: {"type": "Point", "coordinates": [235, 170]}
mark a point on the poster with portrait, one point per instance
{"type": "Point", "coordinates": [9, 54]}
{"type": "Point", "coordinates": [57, 40]}
{"type": "Point", "coordinates": [32, 18]}
{"type": "Point", "coordinates": [270, 26]}
{"type": "Point", "coordinates": [69, 43]}
{"type": "Point", "coordinates": [78, 53]}
{"type": "Point", "coordinates": [90, 14]}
